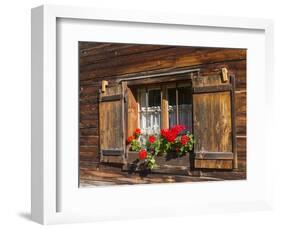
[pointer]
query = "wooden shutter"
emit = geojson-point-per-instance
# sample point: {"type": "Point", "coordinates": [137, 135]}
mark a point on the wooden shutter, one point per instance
{"type": "Point", "coordinates": [111, 125]}
{"type": "Point", "coordinates": [131, 110]}
{"type": "Point", "coordinates": [214, 122]}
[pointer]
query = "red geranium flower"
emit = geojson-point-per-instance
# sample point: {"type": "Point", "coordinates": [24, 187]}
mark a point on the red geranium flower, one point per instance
{"type": "Point", "coordinates": [151, 139]}
{"type": "Point", "coordinates": [184, 139]}
{"type": "Point", "coordinates": [164, 132]}
{"type": "Point", "coordinates": [142, 154]}
{"type": "Point", "coordinates": [129, 139]}
{"type": "Point", "coordinates": [138, 131]}
{"type": "Point", "coordinates": [177, 129]}
{"type": "Point", "coordinates": [169, 135]}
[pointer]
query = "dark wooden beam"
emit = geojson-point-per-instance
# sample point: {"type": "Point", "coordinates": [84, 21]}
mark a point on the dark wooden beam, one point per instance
{"type": "Point", "coordinates": [214, 156]}
{"type": "Point", "coordinates": [212, 89]}
{"type": "Point", "coordinates": [111, 98]}
{"type": "Point", "coordinates": [112, 152]}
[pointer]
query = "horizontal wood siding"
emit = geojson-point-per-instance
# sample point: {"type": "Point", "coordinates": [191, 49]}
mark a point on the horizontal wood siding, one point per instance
{"type": "Point", "coordinates": [106, 61]}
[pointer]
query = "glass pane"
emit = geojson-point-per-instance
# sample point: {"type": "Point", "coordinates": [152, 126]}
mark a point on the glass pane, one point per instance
{"type": "Point", "coordinates": [185, 95]}
{"type": "Point", "coordinates": [142, 99]}
{"type": "Point", "coordinates": [185, 107]}
{"type": "Point", "coordinates": [142, 102]}
{"type": "Point", "coordinates": [154, 97]}
{"type": "Point", "coordinates": [172, 107]}
{"type": "Point", "coordinates": [150, 110]}
{"type": "Point", "coordinates": [153, 111]}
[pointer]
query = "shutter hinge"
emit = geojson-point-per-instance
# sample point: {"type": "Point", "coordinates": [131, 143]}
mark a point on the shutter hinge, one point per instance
{"type": "Point", "coordinates": [104, 84]}
{"type": "Point", "coordinates": [224, 74]}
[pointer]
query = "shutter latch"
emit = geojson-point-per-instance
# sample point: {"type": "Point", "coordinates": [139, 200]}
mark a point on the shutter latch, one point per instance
{"type": "Point", "coordinates": [224, 74]}
{"type": "Point", "coordinates": [104, 84]}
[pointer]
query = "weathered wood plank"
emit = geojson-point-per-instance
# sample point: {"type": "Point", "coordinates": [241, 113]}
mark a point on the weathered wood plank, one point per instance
{"type": "Point", "coordinates": [214, 156]}
{"type": "Point", "coordinates": [224, 175]}
{"type": "Point", "coordinates": [89, 148]}
{"type": "Point", "coordinates": [91, 45]}
{"type": "Point", "coordinates": [162, 160]}
{"type": "Point", "coordinates": [89, 132]}
{"type": "Point", "coordinates": [105, 53]}
{"type": "Point", "coordinates": [213, 164]}
{"type": "Point", "coordinates": [241, 146]}
{"type": "Point", "coordinates": [110, 125]}
{"type": "Point", "coordinates": [172, 77]}
{"type": "Point", "coordinates": [88, 91]}
{"type": "Point", "coordinates": [89, 140]}
{"type": "Point", "coordinates": [116, 97]}
{"type": "Point", "coordinates": [212, 122]}
{"type": "Point", "coordinates": [112, 152]}
{"type": "Point", "coordinates": [174, 57]}
{"type": "Point", "coordinates": [212, 89]}
{"type": "Point", "coordinates": [164, 109]}
{"type": "Point", "coordinates": [88, 123]}
{"type": "Point", "coordinates": [88, 100]}
{"type": "Point", "coordinates": [241, 112]}
{"type": "Point", "coordinates": [165, 164]}
{"type": "Point", "coordinates": [88, 109]}
{"type": "Point", "coordinates": [89, 153]}
{"type": "Point", "coordinates": [132, 111]}
{"type": "Point", "coordinates": [111, 122]}
{"type": "Point", "coordinates": [238, 68]}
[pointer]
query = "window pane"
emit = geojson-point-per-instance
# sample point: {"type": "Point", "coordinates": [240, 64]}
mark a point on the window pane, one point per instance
{"type": "Point", "coordinates": [185, 95]}
{"type": "Point", "coordinates": [150, 114]}
{"type": "Point", "coordinates": [154, 97]}
{"type": "Point", "coordinates": [172, 107]}
{"type": "Point", "coordinates": [185, 107]}
{"type": "Point", "coordinates": [153, 111]}
{"type": "Point", "coordinates": [142, 102]}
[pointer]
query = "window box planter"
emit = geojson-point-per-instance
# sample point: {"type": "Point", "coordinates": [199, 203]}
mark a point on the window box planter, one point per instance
{"type": "Point", "coordinates": [170, 163]}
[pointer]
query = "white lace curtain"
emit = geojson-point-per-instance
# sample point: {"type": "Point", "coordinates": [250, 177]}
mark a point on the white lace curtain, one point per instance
{"type": "Point", "coordinates": [150, 109]}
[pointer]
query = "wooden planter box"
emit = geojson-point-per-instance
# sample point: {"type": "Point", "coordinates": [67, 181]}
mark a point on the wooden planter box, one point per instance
{"type": "Point", "coordinates": [170, 164]}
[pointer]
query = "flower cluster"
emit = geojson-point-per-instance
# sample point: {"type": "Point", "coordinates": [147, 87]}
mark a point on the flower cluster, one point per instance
{"type": "Point", "coordinates": [174, 140]}
{"type": "Point", "coordinates": [137, 133]}
{"type": "Point", "coordinates": [171, 134]}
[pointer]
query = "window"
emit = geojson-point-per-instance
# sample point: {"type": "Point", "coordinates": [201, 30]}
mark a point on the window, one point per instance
{"type": "Point", "coordinates": [179, 110]}
{"type": "Point", "coordinates": [150, 110]}
{"type": "Point", "coordinates": [180, 106]}
{"type": "Point", "coordinates": [205, 107]}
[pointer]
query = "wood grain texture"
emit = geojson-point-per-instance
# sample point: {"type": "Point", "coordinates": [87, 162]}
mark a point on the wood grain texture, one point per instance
{"type": "Point", "coordinates": [241, 112]}
{"type": "Point", "coordinates": [132, 112]}
{"type": "Point", "coordinates": [111, 123]}
{"type": "Point", "coordinates": [159, 59]}
{"type": "Point", "coordinates": [164, 109]}
{"type": "Point", "coordinates": [213, 164]}
{"type": "Point", "coordinates": [212, 122]}
{"type": "Point", "coordinates": [107, 61]}
{"type": "Point", "coordinates": [172, 165]}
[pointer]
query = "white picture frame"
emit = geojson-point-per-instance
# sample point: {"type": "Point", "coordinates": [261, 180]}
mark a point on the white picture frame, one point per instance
{"type": "Point", "coordinates": [48, 179]}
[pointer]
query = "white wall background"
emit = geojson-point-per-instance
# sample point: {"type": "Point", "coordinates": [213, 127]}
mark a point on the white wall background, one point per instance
{"type": "Point", "coordinates": [15, 113]}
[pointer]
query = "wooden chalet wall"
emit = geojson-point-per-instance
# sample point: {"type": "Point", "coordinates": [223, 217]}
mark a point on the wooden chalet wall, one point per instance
{"type": "Point", "coordinates": [107, 61]}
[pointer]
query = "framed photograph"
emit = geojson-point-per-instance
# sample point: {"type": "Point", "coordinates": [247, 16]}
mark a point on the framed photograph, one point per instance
{"type": "Point", "coordinates": [140, 114]}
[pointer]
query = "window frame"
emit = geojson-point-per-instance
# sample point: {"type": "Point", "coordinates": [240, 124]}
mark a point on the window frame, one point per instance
{"type": "Point", "coordinates": [164, 109]}
{"type": "Point", "coordinates": [147, 89]}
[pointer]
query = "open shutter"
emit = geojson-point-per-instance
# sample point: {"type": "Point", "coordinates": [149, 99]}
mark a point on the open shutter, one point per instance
{"type": "Point", "coordinates": [214, 122]}
{"type": "Point", "coordinates": [111, 124]}
{"type": "Point", "coordinates": [131, 110]}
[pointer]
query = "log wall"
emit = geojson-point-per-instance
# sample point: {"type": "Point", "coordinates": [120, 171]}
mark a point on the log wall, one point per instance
{"type": "Point", "coordinates": [108, 61]}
